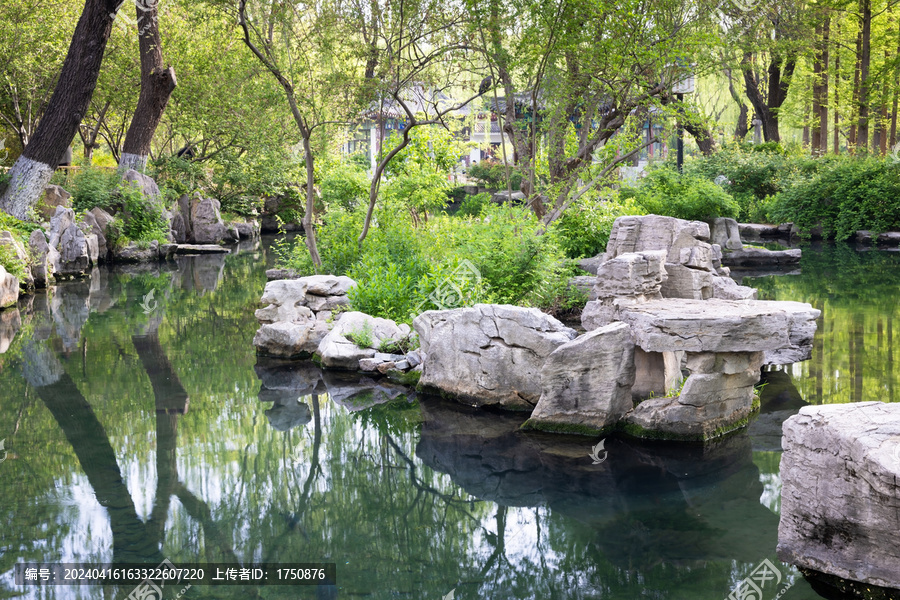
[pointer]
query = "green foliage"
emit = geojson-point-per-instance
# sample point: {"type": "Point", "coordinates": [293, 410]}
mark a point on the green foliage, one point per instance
{"type": "Point", "coordinates": [664, 192]}
{"type": "Point", "coordinates": [140, 220]}
{"type": "Point", "coordinates": [93, 187]}
{"type": "Point", "coordinates": [177, 177]}
{"type": "Point", "coordinates": [584, 228]}
{"type": "Point", "coordinates": [492, 174]}
{"type": "Point", "coordinates": [345, 186]}
{"type": "Point", "coordinates": [473, 205]}
{"type": "Point", "coordinates": [362, 336]}
{"type": "Point", "coordinates": [845, 196]}
{"type": "Point", "coordinates": [20, 229]}
{"type": "Point", "coordinates": [403, 270]}
{"type": "Point", "coordinates": [11, 262]}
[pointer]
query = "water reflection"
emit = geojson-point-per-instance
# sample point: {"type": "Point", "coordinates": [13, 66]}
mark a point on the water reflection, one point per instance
{"type": "Point", "coordinates": [142, 436]}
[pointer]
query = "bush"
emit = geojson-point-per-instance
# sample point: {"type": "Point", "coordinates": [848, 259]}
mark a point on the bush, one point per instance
{"type": "Point", "coordinates": [584, 228]}
{"type": "Point", "coordinates": [473, 205]}
{"type": "Point", "coordinates": [492, 175]}
{"type": "Point", "coordinates": [11, 262]}
{"type": "Point", "coordinates": [93, 187]}
{"type": "Point", "coordinates": [344, 186]}
{"type": "Point", "coordinates": [404, 270]}
{"type": "Point", "coordinates": [844, 196]}
{"type": "Point", "coordinates": [664, 192]}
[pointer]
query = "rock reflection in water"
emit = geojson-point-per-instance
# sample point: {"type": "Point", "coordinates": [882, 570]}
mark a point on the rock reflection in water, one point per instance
{"type": "Point", "coordinates": [646, 503]}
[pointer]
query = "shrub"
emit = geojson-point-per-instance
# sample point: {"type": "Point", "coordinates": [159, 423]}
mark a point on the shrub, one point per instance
{"type": "Point", "coordinates": [844, 196]}
{"type": "Point", "coordinates": [473, 205]}
{"type": "Point", "coordinates": [143, 220]}
{"type": "Point", "coordinates": [344, 186]}
{"type": "Point", "coordinates": [11, 262]}
{"type": "Point", "coordinates": [93, 186]}
{"type": "Point", "coordinates": [664, 192]}
{"type": "Point", "coordinates": [492, 174]}
{"type": "Point", "coordinates": [584, 228]}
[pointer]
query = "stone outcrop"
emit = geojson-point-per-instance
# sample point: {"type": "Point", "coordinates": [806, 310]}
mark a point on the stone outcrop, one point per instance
{"type": "Point", "coordinates": [10, 323]}
{"type": "Point", "coordinates": [757, 257]}
{"type": "Point", "coordinates": [343, 347]}
{"type": "Point", "coordinates": [53, 196]}
{"type": "Point", "coordinates": [147, 186]}
{"type": "Point", "coordinates": [198, 220]}
{"type": "Point", "coordinates": [96, 222]}
{"type": "Point", "coordinates": [43, 258]}
{"type": "Point", "coordinates": [726, 233]}
{"type": "Point", "coordinates": [488, 354]}
{"type": "Point", "coordinates": [840, 495]}
{"type": "Point", "coordinates": [9, 289]}
{"type": "Point", "coordinates": [76, 249]}
{"type": "Point", "coordinates": [137, 252]}
{"type": "Point", "coordinates": [206, 221]}
{"type": "Point", "coordinates": [296, 319]}
{"type": "Point", "coordinates": [586, 383]}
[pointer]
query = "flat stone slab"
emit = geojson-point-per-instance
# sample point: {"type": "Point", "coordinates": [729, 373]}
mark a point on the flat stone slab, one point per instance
{"type": "Point", "coordinates": [715, 325]}
{"type": "Point", "coordinates": [840, 495]}
{"type": "Point", "coordinates": [200, 249]}
{"type": "Point", "coordinates": [756, 257]}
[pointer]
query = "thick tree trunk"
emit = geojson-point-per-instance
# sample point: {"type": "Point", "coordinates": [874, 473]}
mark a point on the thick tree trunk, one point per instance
{"type": "Point", "coordinates": [855, 103]}
{"type": "Point", "coordinates": [779, 71]}
{"type": "Point", "coordinates": [67, 107]}
{"type": "Point", "coordinates": [702, 136]}
{"type": "Point", "coordinates": [837, 79]}
{"type": "Point", "coordinates": [157, 84]}
{"type": "Point", "coordinates": [819, 132]}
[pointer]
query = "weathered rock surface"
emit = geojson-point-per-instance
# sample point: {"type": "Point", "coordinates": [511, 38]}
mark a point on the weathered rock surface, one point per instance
{"type": "Point", "coordinates": [290, 339]}
{"type": "Point", "coordinates": [756, 257]}
{"type": "Point", "coordinates": [338, 351]}
{"type": "Point", "coordinates": [755, 232]}
{"type": "Point", "coordinates": [96, 222]}
{"type": "Point", "coordinates": [53, 196]}
{"type": "Point", "coordinates": [653, 232]}
{"type": "Point", "coordinates": [586, 383]}
{"type": "Point", "coordinates": [199, 249]}
{"type": "Point", "coordinates": [718, 325]}
{"type": "Point", "coordinates": [42, 258]}
{"type": "Point", "coordinates": [136, 252]}
{"type": "Point", "coordinates": [630, 274]}
{"type": "Point", "coordinates": [206, 221]}
{"type": "Point", "coordinates": [725, 288]}
{"type": "Point", "coordinates": [726, 233]}
{"type": "Point", "coordinates": [488, 354]}
{"type": "Point", "coordinates": [840, 495]}
{"type": "Point", "coordinates": [247, 230]}
{"type": "Point", "coordinates": [71, 243]}
{"type": "Point", "coordinates": [147, 186]}
{"type": "Point", "coordinates": [9, 289]}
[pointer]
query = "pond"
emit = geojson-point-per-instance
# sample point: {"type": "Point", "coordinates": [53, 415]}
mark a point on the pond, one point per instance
{"type": "Point", "coordinates": [140, 427]}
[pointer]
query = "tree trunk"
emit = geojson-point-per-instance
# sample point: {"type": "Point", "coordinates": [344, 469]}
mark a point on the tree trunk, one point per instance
{"type": "Point", "coordinates": [823, 107]}
{"type": "Point", "coordinates": [855, 104]}
{"type": "Point", "coordinates": [309, 216]}
{"type": "Point", "coordinates": [819, 130]}
{"type": "Point", "coordinates": [702, 135]}
{"type": "Point", "coordinates": [865, 59]}
{"type": "Point", "coordinates": [67, 107]}
{"type": "Point", "coordinates": [157, 84]}
{"type": "Point", "coordinates": [779, 71]}
{"type": "Point", "coordinates": [837, 79]}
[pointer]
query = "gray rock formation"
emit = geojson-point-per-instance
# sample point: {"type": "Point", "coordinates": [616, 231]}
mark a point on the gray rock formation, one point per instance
{"type": "Point", "coordinates": [43, 258]}
{"type": "Point", "coordinates": [343, 347]}
{"type": "Point", "coordinates": [53, 196]}
{"type": "Point", "coordinates": [206, 221]}
{"type": "Point", "coordinates": [726, 233]}
{"type": "Point", "coordinates": [757, 257]}
{"type": "Point", "coordinates": [840, 495]}
{"type": "Point", "coordinates": [9, 289]}
{"type": "Point", "coordinates": [488, 354]}
{"type": "Point", "coordinates": [70, 241]}
{"type": "Point", "coordinates": [586, 383]}
{"type": "Point", "coordinates": [96, 222]}
{"type": "Point", "coordinates": [295, 320]}
{"type": "Point", "coordinates": [147, 186]}
{"type": "Point", "coordinates": [135, 252]}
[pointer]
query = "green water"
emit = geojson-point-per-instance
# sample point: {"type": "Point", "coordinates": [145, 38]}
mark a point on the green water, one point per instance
{"type": "Point", "coordinates": [137, 437]}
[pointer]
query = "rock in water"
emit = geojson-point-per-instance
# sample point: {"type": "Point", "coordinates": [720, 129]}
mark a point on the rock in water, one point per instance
{"type": "Point", "coordinates": [206, 221]}
{"type": "Point", "coordinates": [488, 354]}
{"type": "Point", "coordinates": [338, 351]}
{"type": "Point", "coordinates": [9, 289]}
{"type": "Point", "coordinates": [840, 495]}
{"type": "Point", "coordinates": [586, 383]}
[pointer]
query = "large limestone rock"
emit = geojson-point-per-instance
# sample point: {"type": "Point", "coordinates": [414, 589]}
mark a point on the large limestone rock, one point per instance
{"type": "Point", "coordinates": [290, 339]}
{"type": "Point", "coordinates": [586, 383]}
{"type": "Point", "coordinates": [840, 495]}
{"type": "Point", "coordinates": [726, 233]}
{"type": "Point", "coordinates": [135, 252]}
{"type": "Point", "coordinates": [653, 232]}
{"type": "Point", "coordinates": [488, 354]}
{"type": "Point", "coordinates": [147, 187]}
{"type": "Point", "coordinates": [53, 196]}
{"type": "Point", "coordinates": [9, 289]}
{"type": "Point", "coordinates": [206, 221]}
{"type": "Point", "coordinates": [70, 241]}
{"type": "Point", "coordinates": [295, 300]}
{"type": "Point", "coordinates": [339, 351]}
{"type": "Point", "coordinates": [759, 257]}
{"type": "Point", "coordinates": [181, 221]}
{"type": "Point", "coordinates": [631, 274]}
{"type": "Point", "coordinates": [718, 325]}
{"type": "Point", "coordinates": [42, 258]}
{"type": "Point", "coordinates": [96, 222]}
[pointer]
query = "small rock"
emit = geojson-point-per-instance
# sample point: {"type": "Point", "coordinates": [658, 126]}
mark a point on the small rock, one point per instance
{"type": "Point", "coordinates": [54, 196]}
{"type": "Point", "coordinates": [369, 365]}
